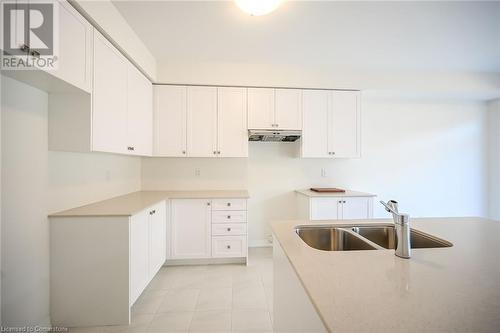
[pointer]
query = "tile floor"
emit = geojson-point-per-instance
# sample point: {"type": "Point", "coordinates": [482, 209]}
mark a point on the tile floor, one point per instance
{"type": "Point", "coordinates": [213, 298]}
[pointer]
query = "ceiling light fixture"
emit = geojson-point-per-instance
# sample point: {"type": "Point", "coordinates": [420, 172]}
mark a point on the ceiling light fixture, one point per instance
{"type": "Point", "coordinates": [258, 7]}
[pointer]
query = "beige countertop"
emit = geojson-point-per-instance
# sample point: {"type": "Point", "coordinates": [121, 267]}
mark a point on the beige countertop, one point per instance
{"type": "Point", "coordinates": [437, 290]}
{"type": "Point", "coordinates": [347, 193]}
{"type": "Point", "coordinates": [132, 203]}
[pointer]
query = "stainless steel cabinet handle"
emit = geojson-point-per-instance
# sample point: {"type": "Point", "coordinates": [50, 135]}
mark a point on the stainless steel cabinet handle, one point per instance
{"type": "Point", "coordinates": [130, 148]}
{"type": "Point", "coordinates": [228, 229]}
{"type": "Point", "coordinates": [215, 152]}
{"type": "Point", "coordinates": [208, 203]}
{"type": "Point", "coordinates": [228, 204]}
{"type": "Point", "coordinates": [184, 152]}
{"type": "Point", "coordinates": [228, 246]}
{"type": "Point", "coordinates": [229, 217]}
{"type": "Point", "coordinates": [218, 152]}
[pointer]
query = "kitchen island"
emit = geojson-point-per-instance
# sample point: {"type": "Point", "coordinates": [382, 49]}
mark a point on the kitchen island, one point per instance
{"type": "Point", "coordinates": [439, 289]}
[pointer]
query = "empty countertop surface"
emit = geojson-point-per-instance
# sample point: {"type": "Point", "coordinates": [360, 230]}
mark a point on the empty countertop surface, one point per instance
{"type": "Point", "coordinates": [347, 193]}
{"type": "Point", "coordinates": [453, 289]}
{"type": "Point", "coordinates": [129, 204]}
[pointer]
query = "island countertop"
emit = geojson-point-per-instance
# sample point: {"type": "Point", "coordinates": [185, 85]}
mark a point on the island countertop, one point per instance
{"type": "Point", "coordinates": [129, 204]}
{"type": "Point", "coordinates": [437, 290]}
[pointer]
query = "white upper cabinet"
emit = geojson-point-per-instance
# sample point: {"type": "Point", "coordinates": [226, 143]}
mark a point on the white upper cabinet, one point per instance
{"type": "Point", "coordinates": [331, 124]}
{"type": "Point", "coordinates": [139, 113]}
{"type": "Point", "coordinates": [109, 110]}
{"type": "Point", "coordinates": [288, 109]}
{"type": "Point", "coordinates": [170, 122]}
{"type": "Point", "coordinates": [201, 121]}
{"type": "Point", "coordinates": [261, 108]}
{"type": "Point", "coordinates": [232, 139]}
{"type": "Point", "coordinates": [75, 48]}
{"type": "Point", "coordinates": [315, 106]}
{"type": "Point", "coordinates": [344, 124]}
{"type": "Point", "coordinates": [274, 108]}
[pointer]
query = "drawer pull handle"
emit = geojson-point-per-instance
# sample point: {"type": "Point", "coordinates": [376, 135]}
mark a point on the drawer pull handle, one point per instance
{"type": "Point", "coordinates": [229, 204]}
{"type": "Point", "coordinates": [208, 203]}
{"type": "Point", "coordinates": [228, 247]}
{"type": "Point", "coordinates": [229, 217]}
{"type": "Point", "coordinates": [228, 229]}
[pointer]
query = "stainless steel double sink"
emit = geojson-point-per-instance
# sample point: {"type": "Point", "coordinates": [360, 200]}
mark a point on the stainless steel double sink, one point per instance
{"type": "Point", "coordinates": [363, 237]}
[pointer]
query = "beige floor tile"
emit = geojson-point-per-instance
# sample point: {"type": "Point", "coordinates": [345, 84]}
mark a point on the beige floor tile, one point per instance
{"type": "Point", "coordinates": [217, 321]}
{"type": "Point", "coordinates": [148, 302]}
{"type": "Point", "coordinates": [217, 279]}
{"type": "Point", "coordinates": [250, 297]}
{"type": "Point", "coordinates": [171, 322]}
{"type": "Point", "coordinates": [179, 300]}
{"type": "Point", "coordinates": [251, 321]}
{"type": "Point", "coordinates": [215, 299]}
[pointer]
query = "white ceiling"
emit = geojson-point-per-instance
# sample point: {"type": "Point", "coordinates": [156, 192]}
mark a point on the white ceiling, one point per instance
{"type": "Point", "coordinates": [445, 36]}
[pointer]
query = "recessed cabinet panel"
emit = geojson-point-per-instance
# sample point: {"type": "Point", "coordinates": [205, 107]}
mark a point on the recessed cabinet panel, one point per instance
{"type": "Point", "coordinates": [139, 113]}
{"type": "Point", "coordinates": [315, 106]}
{"type": "Point", "coordinates": [139, 254]}
{"type": "Point", "coordinates": [288, 109]}
{"type": "Point", "coordinates": [325, 208]}
{"type": "Point", "coordinates": [345, 124]}
{"type": "Point", "coordinates": [356, 208]}
{"type": "Point", "coordinates": [170, 121]}
{"type": "Point", "coordinates": [190, 224]}
{"type": "Point", "coordinates": [109, 112]}
{"type": "Point", "coordinates": [202, 121]}
{"type": "Point", "coordinates": [261, 108]}
{"type": "Point", "coordinates": [232, 122]}
{"type": "Point", "coordinates": [158, 232]}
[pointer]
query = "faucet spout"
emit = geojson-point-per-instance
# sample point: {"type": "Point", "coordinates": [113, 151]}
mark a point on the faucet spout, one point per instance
{"type": "Point", "coordinates": [402, 225]}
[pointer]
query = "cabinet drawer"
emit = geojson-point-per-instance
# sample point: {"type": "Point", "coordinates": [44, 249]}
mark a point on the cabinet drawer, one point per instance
{"type": "Point", "coordinates": [229, 204]}
{"type": "Point", "coordinates": [229, 246]}
{"type": "Point", "coordinates": [229, 216]}
{"type": "Point", "coordinates": [229, 229]}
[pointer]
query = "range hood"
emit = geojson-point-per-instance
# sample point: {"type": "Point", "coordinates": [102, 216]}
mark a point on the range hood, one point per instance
{"type": "Point", "coordinates": [273, 135]}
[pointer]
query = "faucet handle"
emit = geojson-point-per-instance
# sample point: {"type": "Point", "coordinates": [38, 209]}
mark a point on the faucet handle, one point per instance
{"type": "Point", "coordinates": [389, 207]}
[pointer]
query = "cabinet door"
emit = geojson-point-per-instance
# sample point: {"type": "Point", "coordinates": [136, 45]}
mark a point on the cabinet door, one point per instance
{"type": "Point", "coordinates": [139, 254]}
{"type": "Point", "coordinates": [109, 111]}
{"type": "Point", "coordinates": [75, 48]}
{"type": "Point", "coordinates": [325, 208]}
{"type": "Point", "coordinates": [139, 113]}
{"type": "Point", "coordinates": [344, 124]}
{"type": "Point", "coordinates": [261, 108]}
{"type": "Point", "coordinates": [191, 233]}
{"type": "Point", "coordinates": [232, 122]}
{"type": "Point", "coordinates": [315, 123]}
{"type": "Point", "coordinates": [170, 121]}
{"type": "Point", "coordinates": [356, 208]}
{"type": "Point", "coordinates": [202, 121]}
{"type": "Point", "coordinates": [288, 109]}
{"type": "Point", "coordinates": [158, 234]}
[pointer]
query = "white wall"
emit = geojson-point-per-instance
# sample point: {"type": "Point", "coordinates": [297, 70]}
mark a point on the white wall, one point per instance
{"type": "Point", "coordinates": [34, 183]}
{"type": "Point", "coordinates": [429, 156]}
{"type": "Point", "coordinates": [494, 160]}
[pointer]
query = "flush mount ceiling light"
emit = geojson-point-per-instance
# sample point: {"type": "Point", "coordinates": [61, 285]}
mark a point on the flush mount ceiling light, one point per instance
{"type": "Point", "coordinates": [258, 7]}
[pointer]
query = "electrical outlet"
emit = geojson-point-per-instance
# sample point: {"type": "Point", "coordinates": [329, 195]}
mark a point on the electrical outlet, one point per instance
{"type": "Point", "coordinates": [197, 172]}
{"type": "Point", "coordinates": [323, 172]}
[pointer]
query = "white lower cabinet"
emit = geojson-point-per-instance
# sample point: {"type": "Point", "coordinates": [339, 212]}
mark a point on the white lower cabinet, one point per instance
{"type": "Point", "coordinates": [100, 265]}
{"type": "Point", "coordinates": [335, 207]}
{"type": "Point", "coordinates": [190, 228]}
{"type": "Point", "coordinates": [207, 228]}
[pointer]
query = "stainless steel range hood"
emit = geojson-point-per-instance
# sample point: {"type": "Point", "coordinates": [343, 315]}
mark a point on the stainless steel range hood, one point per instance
{"type": "Point", "coordinates": [273, 135]}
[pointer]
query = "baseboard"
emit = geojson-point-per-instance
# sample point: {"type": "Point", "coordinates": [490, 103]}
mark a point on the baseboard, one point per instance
{"type": "Point", "coordinates": [205, 261]}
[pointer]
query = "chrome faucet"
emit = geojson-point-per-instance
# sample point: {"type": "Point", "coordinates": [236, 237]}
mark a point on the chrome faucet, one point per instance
{"type": "Point", "coordinates": [402, 224]}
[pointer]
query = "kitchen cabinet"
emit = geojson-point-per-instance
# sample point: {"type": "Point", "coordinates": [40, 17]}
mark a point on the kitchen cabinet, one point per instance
{"type": "Point", "coordinates": [270, 108]}
{"type": "Point", "coordinates": [75, 48]}
{"type": "Point", "coordinates": [331, 124]}
{"type": "Point", "coordinates": [119, 256]}
{"type": "Point", "coordinates": [232, 135]}
{"type": "Point", "coordinates": [109, 109]}
{"type": "Point", "coordinates": [202, 122]}
{"type": "Point", "coordinates": [139, 113]}
{"type": "Point", "coordinates": [190, 227]}
{"type": "Point", "coordinates": [139, 254]}
{"type": "Point", "coordinates": [170, 124]}
{"type": "Point", "coordinates": [334, 207]}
